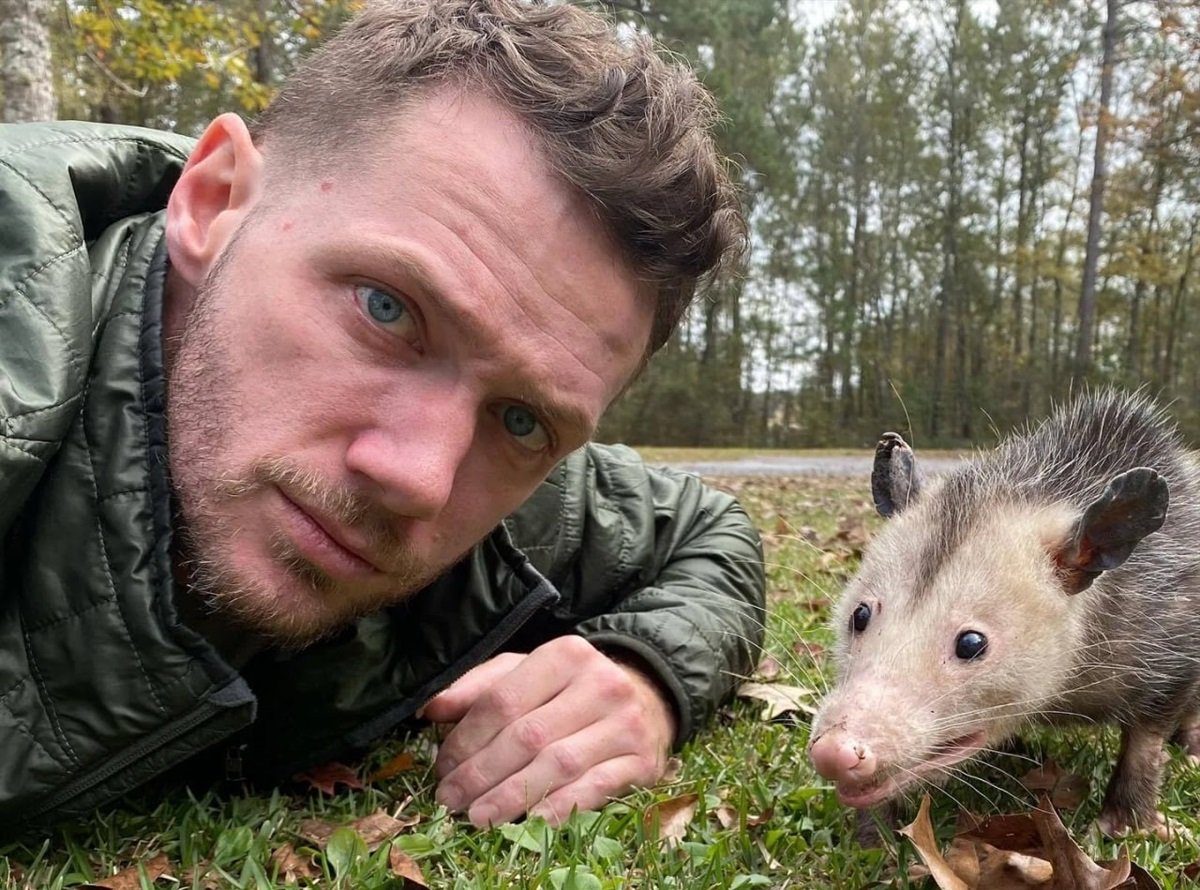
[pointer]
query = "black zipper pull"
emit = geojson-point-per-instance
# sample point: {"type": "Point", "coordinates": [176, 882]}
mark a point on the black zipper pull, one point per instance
{"type": "Point", "coordinates": [235, 763]}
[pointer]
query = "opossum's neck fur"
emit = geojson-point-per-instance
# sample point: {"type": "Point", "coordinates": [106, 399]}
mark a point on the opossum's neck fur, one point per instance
{"type": "Point", "coordinates": [1125, 643]}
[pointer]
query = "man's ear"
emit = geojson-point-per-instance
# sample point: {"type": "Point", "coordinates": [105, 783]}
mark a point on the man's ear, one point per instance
{"type": "Point", "coordinates": [1132, 506]}
{"type": "Point", "coordinates": [219, 184]}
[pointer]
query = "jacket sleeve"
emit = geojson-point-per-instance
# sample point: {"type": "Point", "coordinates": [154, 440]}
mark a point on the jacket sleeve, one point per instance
{"type": "Point", "coordinates": [666, 568]}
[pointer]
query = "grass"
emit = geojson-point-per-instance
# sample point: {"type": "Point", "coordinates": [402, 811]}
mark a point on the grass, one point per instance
{"type": "Point", "coordinates": [786, 829]}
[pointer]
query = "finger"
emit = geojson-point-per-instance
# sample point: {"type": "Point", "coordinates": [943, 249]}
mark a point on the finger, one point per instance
{"type": "Point", "coordinates": [570, 726]}
{"type": "Point", "coordinates": [542, 675]}
{"type": "Point", "coordinates": [623, 733]}
{"type": "Point", "coordinates": [452, 703]}
{"type": "Point", "coordinates": [591, 791]}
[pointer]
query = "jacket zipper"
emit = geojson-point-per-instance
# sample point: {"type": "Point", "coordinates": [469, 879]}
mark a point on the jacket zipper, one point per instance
{"type": "Point", "coordinates": [541, 595]}
{"type": "Point", "coordinates": [131, 755]}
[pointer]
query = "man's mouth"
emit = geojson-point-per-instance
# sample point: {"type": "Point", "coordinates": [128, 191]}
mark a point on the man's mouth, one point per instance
{"type": "Point", "coordinates": [886, 784]}
{"type": "Point", "coordinates": [325, 542]}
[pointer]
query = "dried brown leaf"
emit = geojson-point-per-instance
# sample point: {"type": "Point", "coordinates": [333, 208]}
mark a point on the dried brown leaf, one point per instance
{"type": "Point", "coordinates": [814, 651]}
{"type": "Point", "coordinates": [403, 866]}
{"type": "Point", "coordinates": [726, 815]}
{"type": "Point", "coordinates": [779, 698]}
{"type": "Point", "coordinates": [920, 832]}
{"type": "Point", "coordinates": [401, 763]}
{"type": "Point", "coordinates": [373, 829]}
{"type": "Point", "coordinates": [1011, 870]}
{"type": "Point", "coordinates": [1067, 790]}
{"type": "Point", "coordinates": [1011, 831]}
{"type": "Point", "coordinates": [379, 827]}
{"type": "Point", "coordinates": [291, 867]}
{"type": "Point", "coordinates": [768, 669]}
{"type": "Point", "coordinates": [671, 774]}
{"type": "Point", "coordinates": [669, 819]}
{"type": "Point", "coordinates": [131, 878]}
{"type": "Point", "coordinates": [326, 777]}
{"type": "Point", "coordinates": [1073, 868]}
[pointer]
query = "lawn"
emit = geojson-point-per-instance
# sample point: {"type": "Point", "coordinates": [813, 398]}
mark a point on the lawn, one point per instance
{"type": "Point", "coordinates": [748, 808]}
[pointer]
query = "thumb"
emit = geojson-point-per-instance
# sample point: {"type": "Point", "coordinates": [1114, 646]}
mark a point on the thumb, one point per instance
{"type": "Point", "coordinates": [451, 704]}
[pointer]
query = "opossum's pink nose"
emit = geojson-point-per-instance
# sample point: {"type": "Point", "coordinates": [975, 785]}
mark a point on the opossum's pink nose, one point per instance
{"type": "Point", "coordinates": [841, 757]}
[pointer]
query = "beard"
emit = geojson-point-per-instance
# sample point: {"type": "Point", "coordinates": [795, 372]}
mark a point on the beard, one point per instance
{"type": "Point", "coordinates": [276, 593]}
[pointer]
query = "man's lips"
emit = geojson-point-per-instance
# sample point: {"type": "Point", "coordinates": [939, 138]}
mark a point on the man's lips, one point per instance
{"type": "Point", "coordinates": [338, 535]}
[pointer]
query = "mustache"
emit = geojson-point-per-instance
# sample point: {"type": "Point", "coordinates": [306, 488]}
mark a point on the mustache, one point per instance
{"type": "Point", "coordinates": [345, 506]}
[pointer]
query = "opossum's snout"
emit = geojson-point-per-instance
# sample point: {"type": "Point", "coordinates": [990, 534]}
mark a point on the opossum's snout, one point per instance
{"type": "Point", "coordinates": [839, 756]}
{"type": "Point", "coordinates": [864, 778]}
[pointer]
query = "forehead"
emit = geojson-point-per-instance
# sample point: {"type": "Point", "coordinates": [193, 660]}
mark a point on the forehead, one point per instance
{"type": "Point", "coordinates": [457, 191]}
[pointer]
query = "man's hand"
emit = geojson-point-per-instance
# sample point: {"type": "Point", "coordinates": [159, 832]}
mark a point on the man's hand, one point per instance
{"type": "Point", "coordinates": [561, 727]}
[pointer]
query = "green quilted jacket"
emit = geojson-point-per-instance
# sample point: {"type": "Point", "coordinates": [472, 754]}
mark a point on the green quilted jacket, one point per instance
{"type": "Point", "coordinates": [102, 687]}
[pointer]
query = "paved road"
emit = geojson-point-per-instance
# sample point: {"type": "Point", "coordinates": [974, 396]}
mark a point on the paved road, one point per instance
{"type": "Point", "coordinates": [799, 465]}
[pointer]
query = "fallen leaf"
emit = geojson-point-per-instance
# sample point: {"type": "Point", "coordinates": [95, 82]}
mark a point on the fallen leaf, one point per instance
{"type": "Point", "coordinates": [291, 867]}
{"type": "Point", "coordinates": [1073, 868]}
{"type": "Point", "coordinates": [326, 777]}
{"type": "Point", "coordinates": [779, 698]}
{"type": "Point", "coordinates": [768, 669]}
{"type": "Point", "coordinates": [403, 866]}
{"type": "Point", "coordinates": [851, 534]}
{"type": "Point", "coordinates": [814, 651]}
{"type": "Point", "coordinates": [1011, 831]}
{"type": "Point", "coordinates": [401, 763]}
{"type": "Point", "coordinates": [726, 815]}
{"type": "Point", "coordinates": [1067, 790]}
{"type": "Point", "coordinates": [668, 820]}
{"type": "Point", "coordinates": [1011, 870]}
{"type": "Point", "coordinates": [671, 774]}
{"type": "Point", "coordinates": [920, 832]}
{"type": "Point", "coordinates": [379, 827]}
{"type": "Point", "coordinates": [131, 878]}
{"type": "Point", "coordinates": [373, 829]}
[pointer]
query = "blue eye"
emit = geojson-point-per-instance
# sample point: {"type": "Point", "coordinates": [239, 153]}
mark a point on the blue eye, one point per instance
{"type": "Point", "coordinates": [387, 311]}
{"type": "Point", "coordinates": [523, 425]}
{"type": "Point", "coordinates": [382, 307]}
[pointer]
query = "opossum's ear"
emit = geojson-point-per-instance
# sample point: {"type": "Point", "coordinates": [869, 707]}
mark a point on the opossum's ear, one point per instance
{"type": "Point", "coordinates": [894, 480]}
{"type": "Point", "coordinates": [1133, 505]}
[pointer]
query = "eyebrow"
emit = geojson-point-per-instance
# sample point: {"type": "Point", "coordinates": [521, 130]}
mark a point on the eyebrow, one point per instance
{"type": "Point", "coordinates": [399, 265]}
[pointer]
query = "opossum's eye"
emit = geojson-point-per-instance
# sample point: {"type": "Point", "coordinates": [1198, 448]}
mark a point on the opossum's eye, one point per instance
{"type": "Point", "coordinates": [860, 618]}
{"type": "Point", "coordinates": [970, 644]}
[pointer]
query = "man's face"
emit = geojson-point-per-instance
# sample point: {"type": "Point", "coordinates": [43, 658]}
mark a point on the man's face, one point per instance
{"type": "Point", "coordinates": [385, 362]}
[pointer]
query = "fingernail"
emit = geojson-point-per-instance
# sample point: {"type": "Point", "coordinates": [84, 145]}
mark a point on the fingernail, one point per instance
{"type": "Point", "coordinates": [450, 796]}
{"type": "Point", "coordinates": [483, 816]}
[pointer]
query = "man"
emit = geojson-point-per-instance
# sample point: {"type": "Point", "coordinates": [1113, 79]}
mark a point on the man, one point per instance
{"type": "Point", "coordinates": [256, 448]}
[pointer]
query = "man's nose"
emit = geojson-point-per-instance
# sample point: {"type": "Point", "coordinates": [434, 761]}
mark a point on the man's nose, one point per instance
{"type": "Point", "coordinates": [413, 457]}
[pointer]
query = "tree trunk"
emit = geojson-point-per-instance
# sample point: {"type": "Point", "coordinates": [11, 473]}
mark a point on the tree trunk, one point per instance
{"type": "Point", "coordinates": [25, 69]}
{"type": "Point", "coordinates": [1091, 260]}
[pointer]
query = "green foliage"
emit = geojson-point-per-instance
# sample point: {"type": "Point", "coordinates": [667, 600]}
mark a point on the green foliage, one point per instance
{"type": "Point", "coordinates": [177, 65]}
{"type": "Point", "coordinates": [916, 178]}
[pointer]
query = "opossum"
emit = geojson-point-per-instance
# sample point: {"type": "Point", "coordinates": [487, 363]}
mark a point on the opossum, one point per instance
{"type": "Point", "coordinates": [1044, 581]}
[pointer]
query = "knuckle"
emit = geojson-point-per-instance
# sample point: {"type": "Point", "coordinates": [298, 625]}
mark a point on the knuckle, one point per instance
{"type": "Point", "coordinates": [567, 759]}
{"type": "Point", "coordinates": [531, 734]}
{"type": "Point", "coordinates": [613, 685]}
{"type": "Point", "coordinates": [574, 647]}
{"type": "Point", "coordinates": [503, 701]}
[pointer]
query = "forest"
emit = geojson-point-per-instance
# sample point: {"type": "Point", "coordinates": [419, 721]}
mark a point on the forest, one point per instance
{"type": "Point", "coordinates": [961, 211]}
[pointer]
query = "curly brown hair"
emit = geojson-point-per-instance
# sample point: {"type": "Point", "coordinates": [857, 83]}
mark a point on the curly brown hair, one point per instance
{"type": "Point", "coordinates": [628, 128]}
